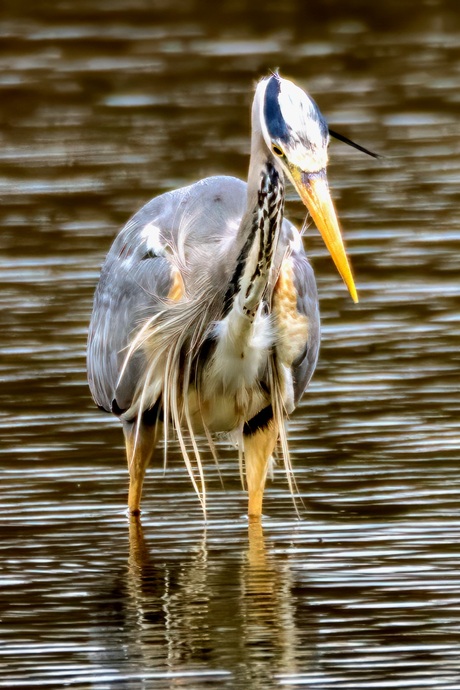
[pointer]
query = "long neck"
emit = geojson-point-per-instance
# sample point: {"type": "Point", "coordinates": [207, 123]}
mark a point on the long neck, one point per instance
{"type": "Point", "coordinates": [244, 334]}
{"type": "Point", "coordinates": [261, 226]}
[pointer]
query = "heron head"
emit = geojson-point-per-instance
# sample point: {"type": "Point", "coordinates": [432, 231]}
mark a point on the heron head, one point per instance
{"type": "Point", "coordinates": [297, 137]}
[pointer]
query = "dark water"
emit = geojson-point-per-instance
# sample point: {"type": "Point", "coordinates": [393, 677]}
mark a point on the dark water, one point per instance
{"type": "Point", "coordinates": [104, 105]}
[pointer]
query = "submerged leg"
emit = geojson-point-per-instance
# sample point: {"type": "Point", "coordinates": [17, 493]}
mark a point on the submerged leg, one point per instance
{"type": "Point", "coordinates": [259, 444]}
{"type": "Point", "coordinates": [139, 453]}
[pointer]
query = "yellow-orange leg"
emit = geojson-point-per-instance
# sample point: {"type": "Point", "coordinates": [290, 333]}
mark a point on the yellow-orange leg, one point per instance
{"type": "Point", "coordinates": [139, 453]}
{"type": "Point", "coordinates": [258, 448]}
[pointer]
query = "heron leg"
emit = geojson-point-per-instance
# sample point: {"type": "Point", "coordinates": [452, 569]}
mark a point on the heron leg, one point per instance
{"type": "Point", "coordinates": [140, 446]}
{"type": "Point", "coordinates": [259, 445]}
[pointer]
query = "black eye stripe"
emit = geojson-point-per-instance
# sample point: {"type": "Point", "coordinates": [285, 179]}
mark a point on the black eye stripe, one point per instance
{"type": "Point", "coordinates": [276, 125]}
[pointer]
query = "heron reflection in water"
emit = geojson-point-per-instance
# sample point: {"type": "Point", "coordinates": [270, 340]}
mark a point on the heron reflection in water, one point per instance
{"type": "Point", "coordinates": [244, 611]}
{"type": "Point", "coordinates": [206, 315]}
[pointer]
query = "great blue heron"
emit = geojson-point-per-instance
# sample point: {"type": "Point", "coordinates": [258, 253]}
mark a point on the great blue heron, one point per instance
{"type": "Point", "coordinates": [206, 314]}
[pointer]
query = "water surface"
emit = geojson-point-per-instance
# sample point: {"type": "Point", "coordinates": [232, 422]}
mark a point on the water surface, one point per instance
{"type": "Point", "coordinates": [102, 108]}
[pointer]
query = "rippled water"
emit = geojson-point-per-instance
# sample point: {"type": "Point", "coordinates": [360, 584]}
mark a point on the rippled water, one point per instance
{"type": "Point", "coordinates": [102, 106]}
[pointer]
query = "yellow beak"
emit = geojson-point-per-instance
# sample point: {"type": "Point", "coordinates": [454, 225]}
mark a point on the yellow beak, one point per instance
{"type": "Point", "coordinates": [314, 192]}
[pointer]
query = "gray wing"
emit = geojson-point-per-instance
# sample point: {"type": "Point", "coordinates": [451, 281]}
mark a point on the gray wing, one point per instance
{"type": "Point", "coordinates": [307, 305]}
{"type": "Point", "coordinates": [129, 279]}
{"type": "Point", "coordinates": [138, 272]}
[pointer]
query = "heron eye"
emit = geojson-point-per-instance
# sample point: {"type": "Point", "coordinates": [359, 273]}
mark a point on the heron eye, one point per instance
{"type": "Point", "coordinates": [277, 151]}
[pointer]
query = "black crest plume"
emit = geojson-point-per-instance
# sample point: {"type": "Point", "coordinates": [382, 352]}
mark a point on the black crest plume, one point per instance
{"type": "Point", "coordinates": [345, 140]}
